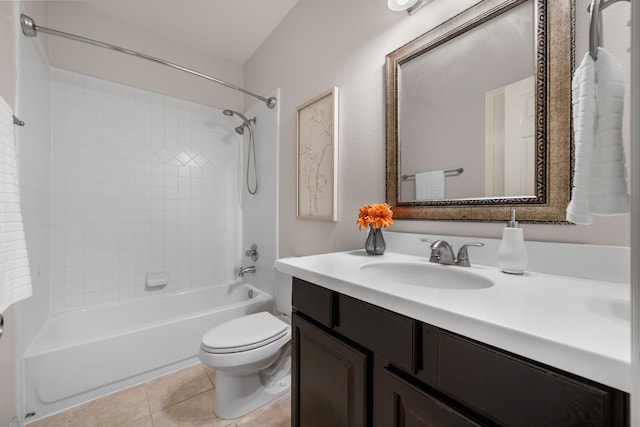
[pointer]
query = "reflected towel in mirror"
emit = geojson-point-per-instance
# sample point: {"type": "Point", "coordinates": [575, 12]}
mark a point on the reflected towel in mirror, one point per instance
{"type": "Point", "coordinates": [430, 185]}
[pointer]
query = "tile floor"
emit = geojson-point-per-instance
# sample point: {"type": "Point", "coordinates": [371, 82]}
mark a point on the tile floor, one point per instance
{"type": "Point", "coordinates": [180, 399]}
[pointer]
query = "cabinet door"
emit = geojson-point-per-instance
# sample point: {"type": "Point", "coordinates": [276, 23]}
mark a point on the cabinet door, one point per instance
{"type": "Point", "coordinates": [329, 379]}
{"type": "Point", "coordinates": [408, 406]}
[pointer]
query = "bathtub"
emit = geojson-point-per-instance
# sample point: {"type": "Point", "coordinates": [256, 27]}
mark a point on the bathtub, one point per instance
{"type": "Point", "coordinates": [81, 354]}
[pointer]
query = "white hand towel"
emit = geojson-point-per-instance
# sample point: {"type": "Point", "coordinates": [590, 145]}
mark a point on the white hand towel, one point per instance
{"type": "Point", "coordinates": [599, 183]}
{"type": "Point", "coordinates": [609, 190]}
{"type": "Point", "coordinates": [430, 185]}
{"type": "Point", "coordinates": [15, 279]}
{"type": "Point", "coordinates": [583, 96]}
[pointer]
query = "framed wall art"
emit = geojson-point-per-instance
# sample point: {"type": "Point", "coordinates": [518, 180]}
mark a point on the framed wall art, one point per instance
{"type": "Point", "coordinates": [317, 146]}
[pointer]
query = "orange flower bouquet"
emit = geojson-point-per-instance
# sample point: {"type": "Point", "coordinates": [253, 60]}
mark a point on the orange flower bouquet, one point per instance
{"type": "Point", "coordinates": [375, 217]}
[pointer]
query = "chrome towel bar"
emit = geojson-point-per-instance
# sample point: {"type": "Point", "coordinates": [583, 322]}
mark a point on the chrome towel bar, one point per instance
{"type": "Point", "coordinates": [450, 172]}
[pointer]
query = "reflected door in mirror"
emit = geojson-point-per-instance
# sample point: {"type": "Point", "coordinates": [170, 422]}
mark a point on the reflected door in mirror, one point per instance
{"type": "Point", "coordinates": [510, 140]}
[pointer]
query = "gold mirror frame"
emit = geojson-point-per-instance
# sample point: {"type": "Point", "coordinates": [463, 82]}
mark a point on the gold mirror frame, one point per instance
{"type": "Point", "coordinates": [554, 62]}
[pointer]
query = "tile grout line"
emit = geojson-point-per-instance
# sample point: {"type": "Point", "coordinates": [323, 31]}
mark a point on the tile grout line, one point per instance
{"type": "Point", "coordinates": [146, 393]}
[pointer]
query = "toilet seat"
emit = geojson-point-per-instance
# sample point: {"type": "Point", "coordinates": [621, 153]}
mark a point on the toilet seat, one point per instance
{"type": "Point", "coordinates": [244, 333]}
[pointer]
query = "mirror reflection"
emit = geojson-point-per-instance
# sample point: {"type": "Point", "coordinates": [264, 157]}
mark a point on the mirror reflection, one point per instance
{"type": "Point", "coordinates": [466, 114]}
{"type": "Point", "coordinates": [445, 125]}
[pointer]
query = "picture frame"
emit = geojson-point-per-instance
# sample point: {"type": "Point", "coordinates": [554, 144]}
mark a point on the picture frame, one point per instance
{"type": "Point", "coordinates": [317, 157]}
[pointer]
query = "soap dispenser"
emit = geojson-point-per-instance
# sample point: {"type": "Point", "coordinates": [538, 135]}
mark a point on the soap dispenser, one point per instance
{"type": "Point", "coordinates": [512, 254]}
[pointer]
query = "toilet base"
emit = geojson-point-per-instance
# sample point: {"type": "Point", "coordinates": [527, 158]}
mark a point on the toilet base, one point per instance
{"type": "Point", "coordinates": [236, 396]}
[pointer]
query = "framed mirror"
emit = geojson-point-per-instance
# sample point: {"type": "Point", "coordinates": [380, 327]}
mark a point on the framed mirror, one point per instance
{"type": "Point", "coordinates": [478, 115]}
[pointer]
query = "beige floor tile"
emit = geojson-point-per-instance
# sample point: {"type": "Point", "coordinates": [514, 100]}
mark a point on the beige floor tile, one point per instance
{"type": "Point", "coordinates": [177, 387]}
{"type": "Point", "coordinates": [194, 412]}
{"type": "Point", "coordinates": [128, 407]}
{"type": "Point", "coordinates": [57, 420]}
{"type": "Point", "coordinates": [180, 403]}
{"type": "Point", "coordinates": [274, 414]}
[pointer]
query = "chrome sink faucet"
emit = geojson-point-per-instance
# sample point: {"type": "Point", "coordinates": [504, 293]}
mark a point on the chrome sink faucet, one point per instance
{"type": "Point", "coordinates": [442, 253]}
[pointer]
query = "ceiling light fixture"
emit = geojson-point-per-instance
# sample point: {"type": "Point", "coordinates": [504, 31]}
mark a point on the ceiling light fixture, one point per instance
{"type": "Point", "coordinates": [411, 6]}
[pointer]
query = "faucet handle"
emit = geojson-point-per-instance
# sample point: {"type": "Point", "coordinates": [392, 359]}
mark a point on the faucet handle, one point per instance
{"type": "Point", "coordinates": [462, 259]}
{"type": "Point", "coordinates": [252, 252]}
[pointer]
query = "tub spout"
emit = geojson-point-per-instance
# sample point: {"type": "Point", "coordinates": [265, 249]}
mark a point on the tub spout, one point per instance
{"type": "Point", "coordinates": [244, 270]}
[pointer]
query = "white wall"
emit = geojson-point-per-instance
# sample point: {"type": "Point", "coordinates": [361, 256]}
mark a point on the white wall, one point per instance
{"type": "Point", "coordinates": [635, 227]}
{"type": "Point", "coordinates": [7, 368]}
{"type": "Point", "coordinates": [260, 211]}
{"type": "Point", "coordinates": [7, 91]}
{"type": "Point", "coordinates": [73, 17]}
{"type": "Point", "coordinates": [8, 66]}
{"type": "Point", "coordinates": [142, 183]}
{"type": "Point", "coordinates": [322, 44]}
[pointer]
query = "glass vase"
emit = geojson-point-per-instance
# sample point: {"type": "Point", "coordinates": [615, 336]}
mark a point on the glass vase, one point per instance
{"type": "Point", "coordinates": [375, 244]}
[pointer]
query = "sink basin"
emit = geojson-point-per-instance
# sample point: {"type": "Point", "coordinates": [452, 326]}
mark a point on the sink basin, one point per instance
{"type": "Point", "coordinates": [425, 275]}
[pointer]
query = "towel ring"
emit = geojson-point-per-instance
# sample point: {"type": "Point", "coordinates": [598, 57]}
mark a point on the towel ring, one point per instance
{"type": "Point", "coordinates": [595, 26]}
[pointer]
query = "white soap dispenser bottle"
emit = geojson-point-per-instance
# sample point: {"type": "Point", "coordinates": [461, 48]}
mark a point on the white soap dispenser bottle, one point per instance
{"type": "Point", "coordinates": [512, 254]}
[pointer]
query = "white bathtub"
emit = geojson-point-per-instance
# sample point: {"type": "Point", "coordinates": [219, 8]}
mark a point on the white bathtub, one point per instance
{"type": "Point", "coordinates": [81, 354]}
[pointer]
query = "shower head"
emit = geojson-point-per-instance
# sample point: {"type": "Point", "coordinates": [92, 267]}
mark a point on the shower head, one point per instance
{"type": "Point", "coordinates": [245, 122]}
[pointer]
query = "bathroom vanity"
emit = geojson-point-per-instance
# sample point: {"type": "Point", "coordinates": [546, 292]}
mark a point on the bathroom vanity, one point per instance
{"type": "Point", "coordinates": [370, 353]}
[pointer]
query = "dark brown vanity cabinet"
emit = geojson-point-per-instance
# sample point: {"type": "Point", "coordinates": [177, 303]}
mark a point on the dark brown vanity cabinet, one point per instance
{"type": "Point", "coordinates": [355, 364]}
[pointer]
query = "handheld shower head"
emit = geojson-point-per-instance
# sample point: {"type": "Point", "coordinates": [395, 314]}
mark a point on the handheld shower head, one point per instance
{"type": "Point", "coordinates": [235, 113]}
{"type": "Point", "coordinates": [245, 122]}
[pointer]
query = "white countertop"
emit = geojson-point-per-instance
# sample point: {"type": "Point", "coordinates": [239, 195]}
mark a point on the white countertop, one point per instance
{"type": "Point", "coordinates": [577, 325]}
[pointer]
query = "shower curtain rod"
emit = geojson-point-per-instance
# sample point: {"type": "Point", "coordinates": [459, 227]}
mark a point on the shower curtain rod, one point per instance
{"type": "Point", "coordinates": [30, 29]}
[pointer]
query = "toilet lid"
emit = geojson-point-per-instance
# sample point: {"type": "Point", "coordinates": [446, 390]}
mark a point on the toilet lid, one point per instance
{"type": "Point", "coordinates": [244, 333]}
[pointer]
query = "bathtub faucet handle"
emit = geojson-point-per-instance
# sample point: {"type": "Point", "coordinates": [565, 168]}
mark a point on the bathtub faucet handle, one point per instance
{"type": "Point", "coordinates": [252, 252]}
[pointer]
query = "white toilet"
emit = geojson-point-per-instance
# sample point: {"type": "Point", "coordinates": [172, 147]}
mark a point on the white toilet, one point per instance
{"type": "Point", "coordinates": [252, 357]}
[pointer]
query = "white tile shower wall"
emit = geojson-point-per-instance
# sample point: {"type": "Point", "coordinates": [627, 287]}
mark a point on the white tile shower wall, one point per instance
{"type": "Point", "coordinates": [142, 183]}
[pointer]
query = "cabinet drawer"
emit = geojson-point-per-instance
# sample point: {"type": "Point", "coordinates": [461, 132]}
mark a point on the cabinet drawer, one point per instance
{"type": "Point", "coordinates": [516, 393]}
{"type": "Point", "coordinates": [381, 331]}
{"type": "Point", "coordinates": [407, 405]}
{"type": "Point", "coordinates": [314, 301]}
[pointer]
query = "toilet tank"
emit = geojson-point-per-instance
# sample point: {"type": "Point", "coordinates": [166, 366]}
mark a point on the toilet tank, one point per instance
{"type": "Point", "coordinates": [283, 289]}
